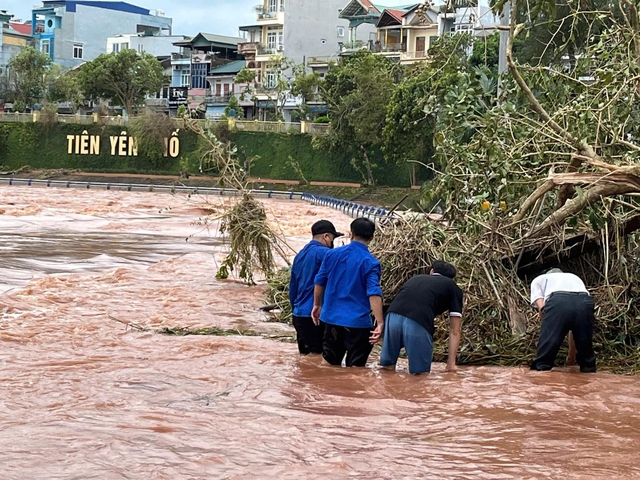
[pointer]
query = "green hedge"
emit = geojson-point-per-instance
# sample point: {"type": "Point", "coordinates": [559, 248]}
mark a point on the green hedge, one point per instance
{"type": "Point", "coordinates": [43, 146]}
{"type": "Point", "coordinates": [275, 150]}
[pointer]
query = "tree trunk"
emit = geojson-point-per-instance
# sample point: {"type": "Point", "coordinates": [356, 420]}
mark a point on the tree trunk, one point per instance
{"type": "Point", "coordinates": [367, 166]}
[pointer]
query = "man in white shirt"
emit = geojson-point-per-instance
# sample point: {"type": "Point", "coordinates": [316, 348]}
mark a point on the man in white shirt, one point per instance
{"type": "Point", "coordinates": [565, 306]}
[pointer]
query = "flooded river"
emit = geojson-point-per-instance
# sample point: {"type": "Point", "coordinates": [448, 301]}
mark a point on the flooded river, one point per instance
{"type": "Point", "coordinates": [84, 397]}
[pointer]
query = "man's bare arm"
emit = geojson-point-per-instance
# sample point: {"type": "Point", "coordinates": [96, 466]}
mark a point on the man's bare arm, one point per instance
{"type": "Point", "coordinates": [318, 297]}
{"type": "Point", "coordinates": [455, 326]}
{"type": "Point", "coordinates": [376, 307]}
{"type": "Point", "coordinates": [540, 306]}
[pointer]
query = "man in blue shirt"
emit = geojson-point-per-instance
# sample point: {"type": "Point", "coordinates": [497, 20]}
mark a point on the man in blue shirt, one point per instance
{"type": "Point", "coordinates": [303, 273]}
{"type": "Point", "coordinates": [347, 292]}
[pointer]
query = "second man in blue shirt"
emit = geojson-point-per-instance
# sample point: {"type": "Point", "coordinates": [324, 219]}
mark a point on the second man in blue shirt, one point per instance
{"type": "Point", "coordinates": [348, 297]}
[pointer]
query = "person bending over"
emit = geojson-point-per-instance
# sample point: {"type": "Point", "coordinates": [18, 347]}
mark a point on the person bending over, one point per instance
{"type": "Point", "coordinates": [347, 293]}
{"type": "Point", "coordinates": [565, 307]}
{"type": "Point", "coordinates": [305, 267]}
{"type": "Point", "coordinates": [411, 315]}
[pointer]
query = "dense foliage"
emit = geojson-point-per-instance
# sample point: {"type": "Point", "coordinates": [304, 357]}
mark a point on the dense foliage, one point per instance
{"type": "Point", "coordinates": [126, 77]}
{"type": "Point", "coordinates": [27, 82]}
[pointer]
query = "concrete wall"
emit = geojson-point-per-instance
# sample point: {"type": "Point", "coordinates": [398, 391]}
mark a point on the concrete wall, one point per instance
{"type": "Point", "coordinates": [91, 26]}
{"type": "Point", "coordinates": [8, 51]}
{"type": "Point", "coordinates": [311, 28]}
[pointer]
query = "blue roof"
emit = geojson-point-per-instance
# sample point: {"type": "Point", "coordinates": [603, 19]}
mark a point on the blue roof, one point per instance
{"type": "Point", "coordinates": [71, 5]}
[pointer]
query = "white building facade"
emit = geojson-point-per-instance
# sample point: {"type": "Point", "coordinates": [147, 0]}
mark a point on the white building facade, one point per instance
{"type": "Point", "coordinates": [75, 31]}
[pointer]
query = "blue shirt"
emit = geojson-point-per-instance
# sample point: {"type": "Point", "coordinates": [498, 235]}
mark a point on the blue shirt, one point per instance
{"type": "Point", "coordinates": [304, 270]}
{"type": "Point", "coordinates": [350, 276]}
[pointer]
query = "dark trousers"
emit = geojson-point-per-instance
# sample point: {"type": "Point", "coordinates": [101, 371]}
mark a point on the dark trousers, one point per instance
{"type": "Point", "coordinates": [352, 341]}
{"type": "Point", "coordinates": [564, 313]}
{"type": "Point", "coordinates": [309, 335]}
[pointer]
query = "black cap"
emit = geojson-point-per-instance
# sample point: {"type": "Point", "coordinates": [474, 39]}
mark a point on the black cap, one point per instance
{"type": "Point", "coordinates": [324, 226]}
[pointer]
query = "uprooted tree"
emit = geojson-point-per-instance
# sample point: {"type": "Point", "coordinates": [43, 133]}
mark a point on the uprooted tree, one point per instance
{"type": "Point", "coordinates": [546, 175]}
{"type": "Point", "coordinates": [253, 243]}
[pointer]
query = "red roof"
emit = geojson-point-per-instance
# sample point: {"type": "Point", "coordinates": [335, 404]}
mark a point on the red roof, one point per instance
{"type": "Point", "coordinates": [397, 14]}
{"type": "Point", "coordinates": [21, 28]}
{"type": "Point", "coordinates": [368, 4]}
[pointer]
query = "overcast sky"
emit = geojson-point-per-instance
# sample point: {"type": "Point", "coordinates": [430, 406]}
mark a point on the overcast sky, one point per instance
{"type": "Point", "coordinates": [189, 16]}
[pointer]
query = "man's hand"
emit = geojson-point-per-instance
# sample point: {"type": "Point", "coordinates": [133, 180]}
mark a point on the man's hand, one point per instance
{"type": "Point", "coordinates": [376, 333]}
{"type": "Point", "coordinates": [315, 314]}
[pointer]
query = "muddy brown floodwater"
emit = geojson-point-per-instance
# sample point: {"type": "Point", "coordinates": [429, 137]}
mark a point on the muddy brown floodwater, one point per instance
{"type": "Point", "coordinates": [84, 398]}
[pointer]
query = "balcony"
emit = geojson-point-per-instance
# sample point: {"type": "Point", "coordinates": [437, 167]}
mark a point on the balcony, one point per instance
{"type": "Point", "coordinates": [394, 47]}
{"type": "Point", "coordinates": [413, 57]}
{"type": "Point", "coordinates": [354, 46]}
{"type": "Point", "coordinates": [270, 17]}
{"type": "Point", "coordinates": [321, 61]}
{"type": "Point", "coordinates": [265, 89]}
{"type": "Point", "coordinates": [265, 51]}
{"type": "Point", "coordinates": [269, 50]}
{"type": "Point", "coordinates": [180, 56]}
{"type": "Point", "coordinates": [248, 48]}
{"type": "Point", "coordinates": [217, 99]}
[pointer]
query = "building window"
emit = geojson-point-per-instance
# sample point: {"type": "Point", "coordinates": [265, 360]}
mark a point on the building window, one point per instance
{"type": "Point", "coordinates": [341, 31]}
{"type": "Point", "coordinates": [77, 50]}
{"type": "Point", "coordinates": [271, 41]}
{"type": "Point", "coordinates": [273, 6]}
{"type": "Point", "coordinates": [185, 81]}
{"type": "Point", "coordinates": [272, 80]}
{"type": "Point", "coordinates": [115, 48]}
{"type": "Point", "coordinates": [280, 41]}
{"type": "Point", "coordinates": [199, 72]}
{"type": "Point", "coordinates": [124, 46]}
{"type": "Point", "coordinates": [46, 47]}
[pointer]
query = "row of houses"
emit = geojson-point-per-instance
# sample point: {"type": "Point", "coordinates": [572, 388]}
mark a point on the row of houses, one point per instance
{"type": "Point", "coordinates": [203, 67]}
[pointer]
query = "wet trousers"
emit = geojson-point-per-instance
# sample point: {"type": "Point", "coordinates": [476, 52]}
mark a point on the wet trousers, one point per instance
{"type": "Point", "coordinates": [563, 313]}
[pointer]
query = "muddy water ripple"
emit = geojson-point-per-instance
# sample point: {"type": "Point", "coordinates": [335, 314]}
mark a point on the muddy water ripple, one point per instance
{"type": "Point", "coordinates": [83, 397]}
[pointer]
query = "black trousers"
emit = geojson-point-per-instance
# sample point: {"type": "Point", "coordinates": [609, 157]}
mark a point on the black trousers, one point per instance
{"type": "Point", "coordinates": [352, 341]}
{"type": "Point", "coordinates": [309, 335]}
{"type": "Point", "coordinates": [564, 313]}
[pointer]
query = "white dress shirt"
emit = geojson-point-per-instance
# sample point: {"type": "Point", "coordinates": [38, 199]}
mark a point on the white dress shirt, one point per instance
{"type": "Point", "coordinates": [544, 285]}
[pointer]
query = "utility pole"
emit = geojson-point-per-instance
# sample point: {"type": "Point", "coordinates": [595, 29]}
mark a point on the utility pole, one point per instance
{"type": "Point", "coordinates": [505, 21]}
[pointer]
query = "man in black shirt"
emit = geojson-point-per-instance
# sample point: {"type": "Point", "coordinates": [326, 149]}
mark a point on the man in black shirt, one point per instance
{"type": "Point", "coordinates": [410, 319]}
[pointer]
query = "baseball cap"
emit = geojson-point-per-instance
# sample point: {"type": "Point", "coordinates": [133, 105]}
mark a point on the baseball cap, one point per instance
{"type": "Point", "coordinates": [324, 226]}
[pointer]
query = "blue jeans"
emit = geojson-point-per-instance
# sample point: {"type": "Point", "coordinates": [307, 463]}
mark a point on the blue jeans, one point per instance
{"type": "Point", "coordinates": [399, 332]}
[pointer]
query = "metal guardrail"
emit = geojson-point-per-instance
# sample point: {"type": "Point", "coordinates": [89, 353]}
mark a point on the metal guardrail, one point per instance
{"type": "Point", "coordinates": [138, 187]}
{"type": "Point", "coordinates": [353, 209]}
